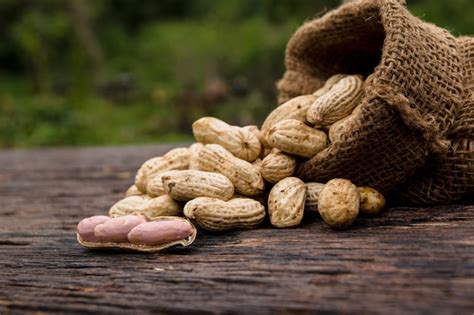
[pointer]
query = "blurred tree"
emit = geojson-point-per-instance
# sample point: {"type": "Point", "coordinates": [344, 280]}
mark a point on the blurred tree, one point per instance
{"type": "Point", "coordinates": [68, 64]}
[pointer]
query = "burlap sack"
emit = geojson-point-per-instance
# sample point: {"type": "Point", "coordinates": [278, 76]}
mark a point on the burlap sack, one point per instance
{"type": "Point", "coordinates": [416, 95]}
{"type": "Point", "coordinates": [452, 177]}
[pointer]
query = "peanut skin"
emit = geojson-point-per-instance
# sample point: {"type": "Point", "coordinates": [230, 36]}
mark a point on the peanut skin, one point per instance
{"type": "Point", "coordinates": [159, 232]}
{"type": "Point", "coordinates": [86, 227]}
{"type": "Point", "coordinates": [117, 229]}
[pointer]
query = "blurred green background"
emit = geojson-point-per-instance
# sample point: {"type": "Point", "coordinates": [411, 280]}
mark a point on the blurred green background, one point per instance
{"type": "Point", "coordinates": [79, 72]}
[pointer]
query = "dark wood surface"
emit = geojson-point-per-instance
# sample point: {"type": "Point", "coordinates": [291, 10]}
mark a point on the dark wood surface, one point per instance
{"type": "Point", "coordinates": [406, 261]}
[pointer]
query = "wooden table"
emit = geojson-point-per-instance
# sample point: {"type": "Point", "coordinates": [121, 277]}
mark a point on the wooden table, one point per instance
{"type": "Point", "coordinates": [406, 261]}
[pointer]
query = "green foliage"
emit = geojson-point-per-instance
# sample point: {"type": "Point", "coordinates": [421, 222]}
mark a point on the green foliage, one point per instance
{"type": "Point", "coordinates": [119, 71]}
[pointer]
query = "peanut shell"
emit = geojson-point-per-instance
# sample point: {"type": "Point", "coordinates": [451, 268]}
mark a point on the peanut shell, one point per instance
{"type": "Point", "coordinates": [217, 215]}
{"type": "Point", "coordinates": [295, 108]}
{"type": "Point", "coordinates": [294, 137]}
{"type": "Point", "coordinates": [286, 202]}
{"type": "Point", "coordinates": [190, 184]}
{"type": "Point", "coordinates": [338, 102]}
{"type": "Point", "coordinates": [371, 201]}
{"type": "Point", "coordinates": [245, 177]}
{"type": "Point", "coordinates": [277, 166]}
{"type": "Point", "coordinates": [338, 203]}
{"type": "Point", "coordinates": [241, 142]}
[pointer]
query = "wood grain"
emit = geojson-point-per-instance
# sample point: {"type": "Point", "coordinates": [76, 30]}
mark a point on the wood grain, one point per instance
{"type": "Point", "coordinates": [407, 261]}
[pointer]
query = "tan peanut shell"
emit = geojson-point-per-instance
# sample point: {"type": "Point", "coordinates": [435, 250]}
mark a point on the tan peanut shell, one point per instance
{"type": "Point", "coordinates": [277, 165]}
{"type": "Point", "coordinates": [193, 153]}
{"type": "Point", "coordinates": [286, 202]}
{"type": "Point", "coordinates": [339, 128]}
{"type": "Point", "coordinates": [371, 201]}
{"type": "Point", "coordinates": [217, 215]}
{"type": "Point", "coordinates": [155, 187]}
{"type": "Point", "coordinates": [142, 248]}
{"type": "Point", "coordinates": [133, 191]}
{"type": "Point", "coordinates": [264, 150]}
{"type": "Point", "coordinates": [190, 184]}
{"type": "Point", "coordinates": [176, 159]}
{"type": "Point", "coordinates": [296, 108]}
{"type": "Point", "coordinates": [294, 137]}
{"type": "Point", "coordinates": [338, 102]}
{"type": "Point", "coordinates": [329, 83]}
{"type": "Point", "coordinates": [338, 203]}
{"type": "Point", "coordinates": [262, 198]}
{"type": "Point", "coordinates": [257, 163]}
{"type": "Point", "coordinates": [149, 207]}
{"type": "Point", "coordinates": [241, 142]}
{"type": "Point", "coordinates": [312, 196]}
{"type": "Point", "coordinates": [246, 177]}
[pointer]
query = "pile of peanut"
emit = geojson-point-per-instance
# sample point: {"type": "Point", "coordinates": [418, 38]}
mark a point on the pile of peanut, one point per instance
{"type": "Point", "coordinates": [233, 176]}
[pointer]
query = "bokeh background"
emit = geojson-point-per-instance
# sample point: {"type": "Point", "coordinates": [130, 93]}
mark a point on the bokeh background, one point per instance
{"type": "Point", "coordinates": [86, 72]}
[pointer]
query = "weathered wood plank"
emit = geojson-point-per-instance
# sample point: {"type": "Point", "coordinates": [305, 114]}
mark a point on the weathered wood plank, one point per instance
{"type": "Point", "coordinates": [406, 261]}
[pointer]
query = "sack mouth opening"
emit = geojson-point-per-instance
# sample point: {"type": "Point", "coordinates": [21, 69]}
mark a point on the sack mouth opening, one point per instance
{"type": "Point", "coordinates": [357, 40]}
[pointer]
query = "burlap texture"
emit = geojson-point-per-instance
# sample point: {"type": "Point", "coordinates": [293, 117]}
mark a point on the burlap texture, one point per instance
{"type": "Point", "coordinates": [452, 177]}
{"type": "Point", "coordinates": [414, 109]}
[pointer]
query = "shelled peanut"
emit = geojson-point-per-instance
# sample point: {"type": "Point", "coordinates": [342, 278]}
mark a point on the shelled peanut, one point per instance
{"type": "Point", "coordinates": [135, 233]}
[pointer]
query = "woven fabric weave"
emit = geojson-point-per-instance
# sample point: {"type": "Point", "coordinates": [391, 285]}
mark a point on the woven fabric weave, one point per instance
{"type": "Point", "coordinates": [452, 177]}
{"type": "Point", "coordinates": [414, 107]}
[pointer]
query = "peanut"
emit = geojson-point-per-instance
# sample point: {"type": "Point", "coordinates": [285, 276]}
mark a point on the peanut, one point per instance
{"type": "Point", "coordinates": [286, 202]}
{"type": "Point", "coordinates": [264, 150]}
{"type": "Point", "coordinates": [262, 198]}
{"type": "Point", "coordinates": [152, 236]}
{"type": "Point", "coordinates": [160, 232]}
{"type": "Point", "coordinates": [312, 196]}
{"type": "Point", "coordinates": [133, 191]}
{"type": "Point", "coordinates": [193, 151]}
{"type": "Point", "coordinates": [116, 229]}
{"type": "Point", "coordinates": [149, 207]}
{"type": "Point", "coordinates": [245, 176]}
{"type": "Point", "coordinates": [254, 129]}
{"type": "Point", "coordinates": [338, 203]}
{"type": "Point", "coordinates": [277, 165]}
{"type": "Point", "coordinates": [155, 187]}
{"type": "Point", "coordinates": [294, 137]}
{"type": "Point", "coordinates": [176, 159]}
{"type": "Point", "coordinates": [338, 102]}
{"type": "Point", "coordinates": [371, 201]}
{"type": "Point", "coordinates": [86, 227]}
{"type": "Point", "coordinates": [190, 184]}
{"type": "Point", "coordinates": [328, 84]}
{"type": "Point", "coordinates": [295, 108]}
{"type": "Point", "coordinates": [338, 130]}
{"type": "Point", "coordinates": [217, 215]}
{"type": "Point", "coordinates": [257, 163]}
{"type": "Point", "coordinates": [241, 142]}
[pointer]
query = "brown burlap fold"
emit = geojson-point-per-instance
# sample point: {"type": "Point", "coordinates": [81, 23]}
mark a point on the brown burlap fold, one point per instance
{"type": "Point", "coordinates": [452, 177]}
{"type": "Point", "coordinates": [415, 95]}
